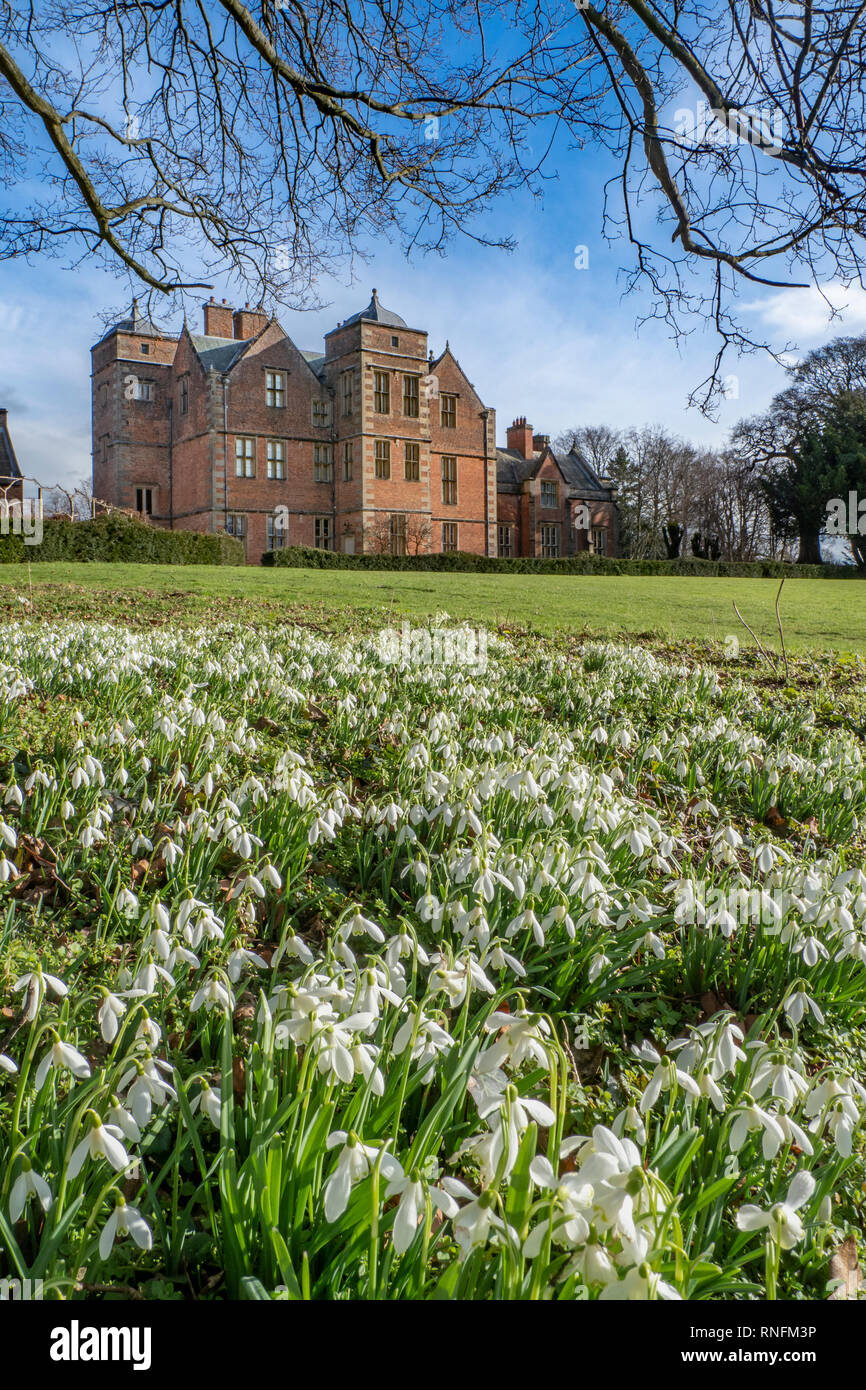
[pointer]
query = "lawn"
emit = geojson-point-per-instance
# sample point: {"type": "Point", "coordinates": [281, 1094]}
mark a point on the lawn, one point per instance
{"type": "Point", "coordinates": [818, 615]}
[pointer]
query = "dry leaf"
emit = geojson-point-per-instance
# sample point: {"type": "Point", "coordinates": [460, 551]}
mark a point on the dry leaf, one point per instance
{"type": "Point", "coordinates": [844, 1265]}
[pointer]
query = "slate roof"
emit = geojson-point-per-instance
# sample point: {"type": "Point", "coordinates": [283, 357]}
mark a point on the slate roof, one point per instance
{"type": "Point", "coordinates": [134, 322]}
{"type": "Point", "coordinates": [315, 359]}
{"type": "Point", "coordinates": [218, 353]}
{"type": "Point", "coordinates": [378, 313]}
{"type": "Point", "coordinates": [513, 470]}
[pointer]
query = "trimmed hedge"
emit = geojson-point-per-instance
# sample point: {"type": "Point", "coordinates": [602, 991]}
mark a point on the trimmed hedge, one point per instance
{"type": "Point", "coordinates": [120, 539]}
{"type": "Point", "coordinates": [306, 557]}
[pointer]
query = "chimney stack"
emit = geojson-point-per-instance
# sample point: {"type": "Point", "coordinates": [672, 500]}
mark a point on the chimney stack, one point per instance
{"type": "Point", "coordinates": [540, 442]}
{"type": "Point", "coordinates": [218, 319]}
{"type": "Point", "coordinates": [248, 322]}
{"type": "Point", "coordinates": [520, 437]}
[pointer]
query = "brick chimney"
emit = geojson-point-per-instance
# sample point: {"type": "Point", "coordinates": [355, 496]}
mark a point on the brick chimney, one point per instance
{"type": "Point", "coordinates": [248, 322]}
{"type": "Point", "coordinates": [218, 319]}
{"type": "Point", "coordinates": [540, 442]}
{"type": "Point", "coordinates": [520, 437]}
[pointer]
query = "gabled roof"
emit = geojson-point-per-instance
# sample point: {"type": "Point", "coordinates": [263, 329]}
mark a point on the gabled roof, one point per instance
{"type": "Point", "coordinates": [316, 360]}
{"type": "Point", "coordinates": [578, 473]}
{"type": "Point", "coordinates": [218, 354]}
{"type": "Point", "coordinates": [513, 470]}
{"type": "Point", "coordinates": [8, 462]}
{"type": "Point", "coordinates": [378, 314]}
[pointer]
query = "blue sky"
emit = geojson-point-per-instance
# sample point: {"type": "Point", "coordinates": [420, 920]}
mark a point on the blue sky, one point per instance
{"type": "Point", "coordinates": [536, 336]}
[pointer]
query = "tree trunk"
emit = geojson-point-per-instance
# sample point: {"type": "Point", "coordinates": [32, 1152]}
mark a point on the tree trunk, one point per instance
{"type": "Point", "coordinates": [810, 548]}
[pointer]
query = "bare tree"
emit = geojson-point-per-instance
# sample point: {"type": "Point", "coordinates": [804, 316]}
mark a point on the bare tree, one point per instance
{"type": "Point", "coordinates": [598, 444]}
{"type": "Point", "coordinates": [185, 141]}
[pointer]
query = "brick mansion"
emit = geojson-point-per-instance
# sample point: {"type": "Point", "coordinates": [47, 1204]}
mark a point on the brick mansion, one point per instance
{"type": "Point", "coordinates": [375, 444]}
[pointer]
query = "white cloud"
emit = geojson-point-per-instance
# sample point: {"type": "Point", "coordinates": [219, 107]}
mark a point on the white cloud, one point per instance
{"type": "Point", "coordinates": [814, 314]}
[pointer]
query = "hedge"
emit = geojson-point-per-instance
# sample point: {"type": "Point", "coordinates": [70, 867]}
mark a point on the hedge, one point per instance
{"type": "Point", "coordinates": [120, 539]}
{"type": "Point", "coordinates": [307, 557]}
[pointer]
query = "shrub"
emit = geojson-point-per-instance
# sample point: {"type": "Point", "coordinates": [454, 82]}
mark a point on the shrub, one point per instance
{"type": "Point", "coordinates": [308, 558]}
{"type": "Point", "coordinates": [119, 539]}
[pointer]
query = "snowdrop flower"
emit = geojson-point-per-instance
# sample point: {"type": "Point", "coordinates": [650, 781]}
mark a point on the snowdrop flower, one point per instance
{"type": "Point", "coordinates": [238, 959]}
{"type": "Point", "coordinates": [410, 1189]}
{"type": "Point", "coordinates": [127, 904]}
{"type": "Point", "coordinates": [666, 1075]}
{"type": "Point", "coordinates": [124, 1221]}
{"type": "Point", "coordinates": [752, 1117]}
{"type": "Point", "coordinates": [145, 1086]}
{"type": "Point", "coordinates": [476, 1219]}
{"type": "Point", "coordinates": [782, 1220]}
{"type": "Point", "coordinates": [213, 995]}
{"type": "Point", "coordinates": [782, 1081]}
{"type": "Point", "coordinates": [523, 1040]}
{"type": "Point", "coordinates": [64, 1056]}
{"type": "Point", "coordinates": [7, 1065]}
{"type": "Point", "coordinates": [103, 1141]}
{"type": "Point", "coordinates": [39, 984]}
{"type": "Point", "coordinates": [641, 1283]}
{"type": "Point", "coordinates": [355, 1161]}
{"type": "Point", "coordinates": [210, 1102]}
{"type": "Point", "coordinates": [121, 1118]}
{"type": "Point", "coordinates": [797, 1004]}
{"type": "Point", "coordinates": [428, 1039]}
{"type": "Point", "coordinates": [28, 1184]}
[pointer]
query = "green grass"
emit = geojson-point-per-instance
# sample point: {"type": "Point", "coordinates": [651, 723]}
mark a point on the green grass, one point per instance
{"type": "Point", "coordinates": [818, 615]}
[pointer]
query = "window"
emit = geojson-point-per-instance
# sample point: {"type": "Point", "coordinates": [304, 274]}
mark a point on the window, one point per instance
{"type": "Point", "coordinates": [449, 535]}
{"type": "Point", "coordinates": [103, 394]}
{"type": "Point", "coordinates": [321, 413]}
{"type": "Point", "coordinates": [144, 500]}
{"type": "Point", "coordinates": [410, 396]}
{"type": "Point", "coordinates": [395, 342]}
{"type": "Point", "coordinates": [399, 534]}
{"type": "Point", "coordinates": [236, 525]}
{"type": "Point", "coordinates": [412, 462]}
{"type": "Point", "coordinates": [245, 458]}
{"type": "Point", "coordinates": [382, 393]}
{"type": "Point", "coordinates": [347, 393]}
{"type": "Point", "coordinates": [550, 542]}
{"type": "Point", "coordinates": [276, 532]}
{"type": "Point", "coordinates": [276, 459]}
{"type": "Point", "coordinates": [598, 540]}
{"type": "Point", "coordinates": [144, 391]}
{"type": "Point", "coordinates": [549, 495]}
{"type": "Point", "coordinates": [382, 455]}
{"type": "Point", "coordinates": [105, 439]}
{"type": "Point", "coordinates": [448, 409]}
{"type": "Point", "coordinates": [323, 463]}
{"type": "Point", "coordinates": [348, 460]}
{"type": "Point", "coordinates": [184, 395]}
{"type": "Point", "coordinates": [449, 480]}
{"type": "Point", "coordinates": [323, 533]}
{"type": "Point", "coordinates": [144, 349]}
{"type": "Point", "coordinates": [275, 388]}
{"type": "Point", "coordinates": [506, 541]}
